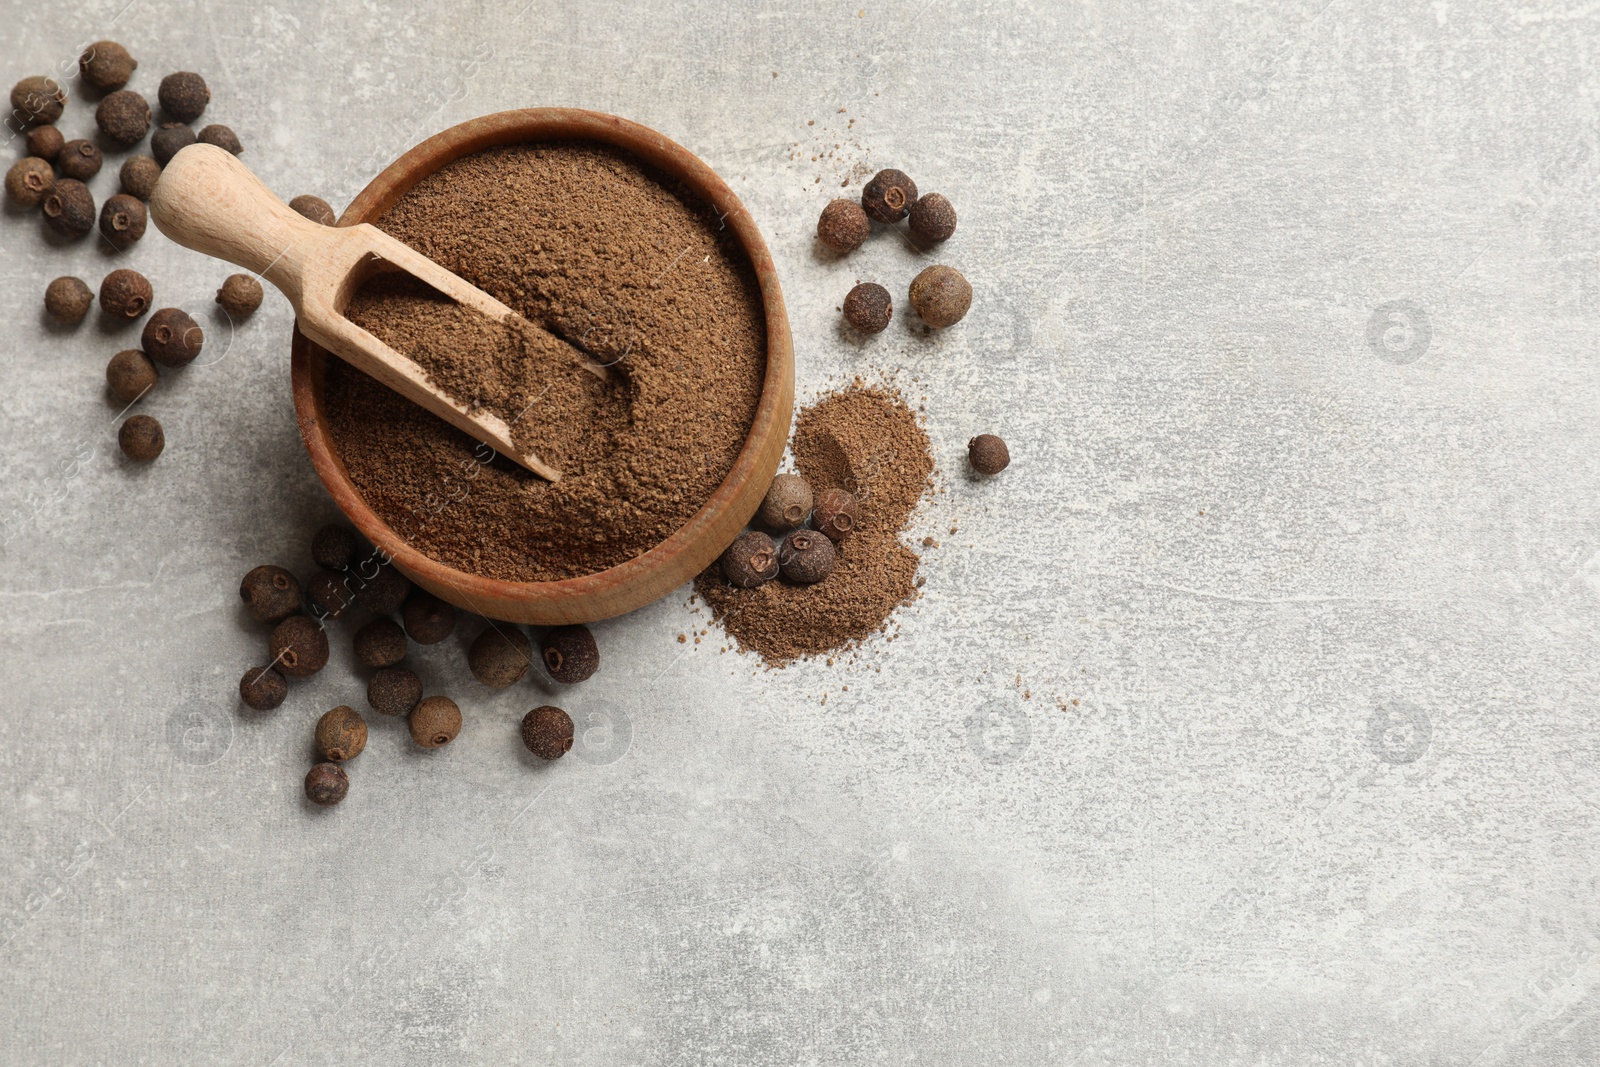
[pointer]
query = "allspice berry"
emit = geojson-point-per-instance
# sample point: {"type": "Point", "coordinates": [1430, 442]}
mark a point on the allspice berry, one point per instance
{"type": "Point", "coordinates": [327, 784]}
{"type": "Point", "coordinates": [221, 136]}
{"type": "Point", "coordinates": [867, 308]}
{"type": "Point", "coordinates": [125, 294]}
{"type": "Point", "coordinates": [29, 181]}
{"type": "Point", "coordinates": [122, 220]}
{"type": "Point", "coordinates": [806, 556]}
{"type": "Point", "coordinates": [141, 438]}
{"type": "Point", "coordinates": [434, 722]}
{"type": "Point", "coordinates": [787, 503]}
{"type": "Point", "coordinates": [299, 647]}
{"type": "Point", "coordinates": [941, 296]}
{"type": "Point", "coordinates": [836, 514]}
{"type": "Point", "coordinates": [169, 140]}
{"type": "Point", "coordinates": [386, 592]}
{"type": "Point", "coordinates": [330, 594]}
{"type": "Point", "coordinates": [394, 691]}
{"type": "Point", "coordinates": [262, 688]}
{"type": "Point", "coordinates": [889, 195]}
{"type": "Point", "coordinates": [79, 159]}
{"type": "Point", "coordinates": [932, 219]}
{"type": "Point", "coordinates": [124, 117]}
{"type": "Point", "coordinates": [843, 226]}
{"type": "Point", "coordinates": [332, 545]}
{"type": "Point", "coordinates": [68, 208]}
{"type": "Point", "coordinates": [138, 176]}
{"type": "Point", "coordinates": [45, 142]}
{"type": "Point", "coordinates": [106, 65]}
{"type": "Point", "coordinates": [172, 338]}
{"type": "Point", "coordinates": [988, 454]}
{"type": "Point", "coordinates": [68, 300]}
{"type": "Point", "coordinates": [314, 208]}
{"type": "Point", "coordinates": [130, 375]}
{"type": "Point", "coordinates": [341, 734]}
{"type": "Point", "coordinates": [427, 619]}
{"type": "Point", "coordinates": [184, 95]}
{"type": "Point", "coordinates": [271, 593]}
{"type": "Point", "coordinates": [239, 296]}
{"type": "Point", "coordinates": [37, 101]}
{"type": "Point", "coordinates": [500, 656]}
{"type": "Point", "coordinates": [547, 732]}
{"type": "Point", "coordinates": [380, 643]}
{"type": "Point", "coordinates": [570, 654]}
{"type": "Point", "coordinates": [750, 560]}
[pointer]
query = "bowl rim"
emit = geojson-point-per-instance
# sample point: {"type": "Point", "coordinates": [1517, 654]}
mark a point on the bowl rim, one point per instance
{"type": "Point", "coordinates": [627, 585]}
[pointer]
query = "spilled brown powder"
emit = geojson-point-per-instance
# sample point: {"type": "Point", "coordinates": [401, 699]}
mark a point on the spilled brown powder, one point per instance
{"type": "Point", "coordinates": [864, 439]}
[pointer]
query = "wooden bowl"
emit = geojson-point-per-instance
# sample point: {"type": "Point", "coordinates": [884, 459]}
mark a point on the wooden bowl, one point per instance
{"type": "Point", "coordinates": [709, 531]}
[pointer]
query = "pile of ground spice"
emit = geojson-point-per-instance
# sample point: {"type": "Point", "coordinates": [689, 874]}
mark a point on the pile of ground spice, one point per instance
{"type": "Point", "coordinates": [863, 438]}
{"type": "Point", "coordinates": [619, 262]}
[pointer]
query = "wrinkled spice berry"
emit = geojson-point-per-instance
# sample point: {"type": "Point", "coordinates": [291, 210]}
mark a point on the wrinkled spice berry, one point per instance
{"type": "Point", "coordinates": [570, 654]}
{"type": "Point", "coordinates": [988, 454]}
{"type": "Point", "coordinates": [787, 503]}
{"type": "Point", "coordinates": [500, 656]}
{"type": "Point", "coordinates": [68, 300]}
{"type": "Point", "coordinates": [750, 560]}
{"type": "Point", "coordinates": [327, 784]}
{"type": "Point", "coordinates": [37, 101]}
{"type": "Point", "coordinates": [932, 219]}
{"type": "Point", "coordinates": [125, 294]}
{"type": "Point", "coordinates": [169, 140]}
{"type": "Point", "coordinates": [299, 647]}
{"type": "Point", "coordinates": [341, 734]}
{"type": "Point", "coordinates": [69, 208]}
{"type": "Point", "coordinates": [239, 296]}
{"type": "Point", "coordinates": [106, 65]}
{"type": "Point", "coordinates": [867, 308]}
{"type": "Point", "coordinates": [427, 619]}
{"type": "Point", "coordinates": [124, 117]}
{"type": "Point", "coordinates": [29, 181]}
{"type": "Point", "coordinates": [889, 196]}
{"type": "Point", "coordinates": [79, 160]}
{"type": "Point", "coordinates": [836, 514]}
{"type": "Point", "coordinates": [331, 594]}
{"type": "Point", "coordinates": [172, 338]}
{"type": "Point", "coordinates": [221, 136]}
{"type": "Point", "coordinates": [843, 226]}
{"type": "Point", "coordinates": [122, 220]}
{"type": "Point", "coordinates": [262, 688]}
{"type": "Point", "coordinates": [547, 732]}
{"type": "Point", "coordinates": [385, 593]}
{"type": "Point", "coordinates": [314, 208]}
{"type": "Point", "coordinates": [434, 722]}
{"type": "Point", "coordinates": [184, 95]}
{"type": "Point", "coordinates": [941, 296]}
{"type": "Point", "coordinates": [141, 438]}
{"type": "Point", "coordinates": [45, 142]}
{"type": "Point", "coordinates": [806, 557]}
{"type": "Point", "coordinates": [130, 374]}
{"type": "Point", "coordinates": [380, 643]}
{"type": "Point", "coordinates": [138, 176]}
{"type": "Point", "coordinates": [394, 691]}
{"type": "Point", "coordinates": [333, 545]}
{"type": "Point", "coordinates": [271, 593]}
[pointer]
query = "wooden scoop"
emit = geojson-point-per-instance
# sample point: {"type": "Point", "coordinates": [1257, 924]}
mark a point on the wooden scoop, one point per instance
{"type": "Point", "coordinates": [208, 201]}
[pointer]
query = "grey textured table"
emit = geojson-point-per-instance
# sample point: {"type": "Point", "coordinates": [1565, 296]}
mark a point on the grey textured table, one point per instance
{"type": "Point", "coordinates": [1248, 718]}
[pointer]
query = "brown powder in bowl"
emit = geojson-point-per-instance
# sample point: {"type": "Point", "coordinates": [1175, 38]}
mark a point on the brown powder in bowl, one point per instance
{"type": "Point", "coordinates": [621, 263]}
{"type": "Point", "coordinates": [864, 439]}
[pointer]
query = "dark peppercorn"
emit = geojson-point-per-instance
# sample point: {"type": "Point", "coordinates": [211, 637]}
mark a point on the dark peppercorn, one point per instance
{"type": "Point", "coordinates": [169, 140]}
{"type": "Point", "coordinates": [750, 560]}
{"type": "Point", "coordinates": [867, 308]}
{"type": "Point", "coordinates": [138, 176]}
{"type": "Point", "coordinates": [45, 142]}
{"type": "Point", "coordinates": [394, 691]}
{"type": "Point", "coordinates": [330, 593]}
{"type": "Point", "coordinates": [434, 722]}
{"type": "Point", "coordinates": [836, 514]}
{"type": "Point", "coordinates": [889, 195]}
{"type": "Point", "coordinates": [341, 734]}
{"type": "Point", "coordinates": [547, 732]}
{"type": "Point", "coordinates": [271, 593]}
{"type": "Point", "coordinates": [106, 65]}
{"type": "Point", "coordinates": [988, 454]}
{"type": "Point", "coordinates": [385, 592]}
{"type": "Point", "coordinates": [327, 784]}
{"type": "Point", "coordinates": [843, 226]}
{"type": "Point", "coordinates": [68, 299]}
{"type": "Point", "coordinates": [570, 654]}
{"type": "Point", "coordinates": [380, 643]}
{"type": "Point", "coordinates": [221, 136]}
{"type": "Point", "coordinates": [125, 294]}
{"type": "Point", "coordinates": [334, 544]}
{"type": "Point", "coordinates": [184, 95]}
{"type": "Point", "coordinates": [36, 101]}
{"type": "Point", "coordinates": [172, 338]}
{"type": "Point", "coordinates": [239, 296]}
{"type": "Point", "coordinates": [787, 503]}
{"type": "Point", "coordinates": [932, 218]}
{"type": "Point", "coordinates": [29, 181]}
{"type": "Point", "coordinates": [69, 207]}
{"type": "Point", "coordinates": [314, 208]}
{"type": "Point", "coordinates": [141, 438]}
{"type": "Point", "coordinates": [124, 117]}
{"type": "Point", "coordinates": [428, 620]}
{"type": "Point", "coordinates": [262, 688]}
{"type": "Point", "coordinates": [299, 647]}
{"type": "Point", "coordinates": [941, 296]}
{"type": "Point", "coordinates": [806, 557]}
{"type": "Point", "coordinates": [122, 220]}
{"type": "Point", "coordinates": [500, 656]}
{"type": "Point", "coordinates": [79, 159]}
{"type": "Point", "coordinates": [130, 374]}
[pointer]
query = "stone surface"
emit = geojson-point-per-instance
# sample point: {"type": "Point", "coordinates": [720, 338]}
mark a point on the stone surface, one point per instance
{"type": "Point", "coordinates": [1247, 717]}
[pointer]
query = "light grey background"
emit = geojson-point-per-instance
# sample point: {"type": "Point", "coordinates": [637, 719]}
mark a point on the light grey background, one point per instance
{"type": "Point", "coordinates": [1248, 718]}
